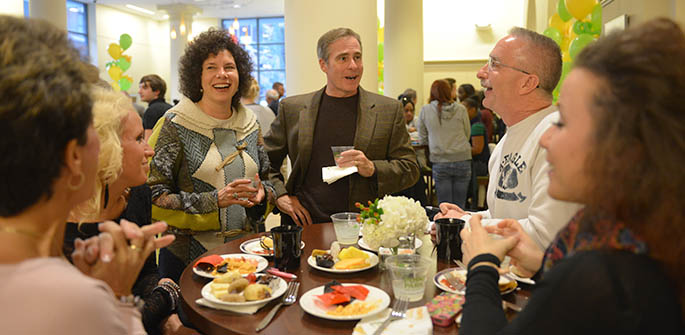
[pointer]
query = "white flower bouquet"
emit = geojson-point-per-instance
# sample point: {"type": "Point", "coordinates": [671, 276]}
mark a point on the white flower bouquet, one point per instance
{"type": "Point", "coordinates": [387, 219]}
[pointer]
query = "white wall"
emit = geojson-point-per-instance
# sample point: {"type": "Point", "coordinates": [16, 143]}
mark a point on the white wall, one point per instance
{"type": "Point", "coordinates": [149, 51]}
{"type": "Point", "coordinates": [12, 7]}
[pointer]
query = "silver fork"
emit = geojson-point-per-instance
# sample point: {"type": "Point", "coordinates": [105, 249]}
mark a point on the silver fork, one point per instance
{"type": "Point", "coordinates": [399, 311]}
{"type": "Point", "coordinates": [452, 279]}
{"type": "Point", "coordinates": [289, 298]}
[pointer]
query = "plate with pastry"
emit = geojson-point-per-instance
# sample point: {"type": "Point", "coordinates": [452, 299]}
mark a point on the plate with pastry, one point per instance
{"type": "Point", "coordinates": [214, 265]}
{"type": "Point", "coordinates": [232, 289]}
{"type": "Point", "coordinates": [506, 285]}
{"type": "Point", "coordinates": [347, 260]}
{"type": "Point", "coordinates": [261, 246]}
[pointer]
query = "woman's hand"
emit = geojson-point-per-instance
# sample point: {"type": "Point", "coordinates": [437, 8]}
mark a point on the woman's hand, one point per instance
{"type": "Point", "coordinates": [475, 241]}
{"type": "Point", "coordinates": [238, 192]}
{"type": "Point", "coordinates": [526, 255]}
{"type": "Point", "coordinates": [173, 326]}
{"type": "Point", "coordinates": [123, 249]}
{"type": "Point", "coordinates": [259, 195]}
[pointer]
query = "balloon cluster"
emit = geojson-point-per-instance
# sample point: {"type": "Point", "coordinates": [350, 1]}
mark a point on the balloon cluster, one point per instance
{"type": "Point", "coordinates": [120, 64]}
{"type": "Point", "coordinates": [575, 24]}
{"type": "Point", "coordinates": [381, 81]}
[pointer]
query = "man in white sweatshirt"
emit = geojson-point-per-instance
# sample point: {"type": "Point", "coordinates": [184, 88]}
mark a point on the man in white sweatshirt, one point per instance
{"type": "Point", "coordinates": [521, 73]}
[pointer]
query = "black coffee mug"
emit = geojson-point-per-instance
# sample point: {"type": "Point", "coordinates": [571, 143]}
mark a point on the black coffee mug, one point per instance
{"type": "Point", "coordinates": [448, 238]}
{"type": "Point", "coordinates": [287, 249]}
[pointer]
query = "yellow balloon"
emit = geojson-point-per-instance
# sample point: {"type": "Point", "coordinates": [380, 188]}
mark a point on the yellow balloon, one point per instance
{"type": "Point", "coordinates": [115, 86]}
{"type": "Point", "coordinates": [568, 27]}
{"type": "Point", "coordinates": [114, 72]}
{"type": "Point", "coordinates": [580, 8]}
{"type": "Point", "coordinates": [555, 21]}
{"type": "Point", "coordinates": [114, 50]}
{"type": "Point", "coordinates": [565, 55]}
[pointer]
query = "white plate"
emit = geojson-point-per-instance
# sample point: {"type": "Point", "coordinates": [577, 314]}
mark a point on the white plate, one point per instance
{"type": "Point", "coordinates": [363, 245]}
{"type": "Point", "coordinates": [376, 295]}
{"type": "Point", "coordinates": [281, 287]}
{"type": "Point", "coordinates": [520, 279]}
{"type": "Point", "coordinates": [252, 247]}
{"type": "Point", "coordinates": [441, 275]}
{"type": "Point", "coordinates": [262, 263]}
{"type": "Point", "coordinates": [373, 261]}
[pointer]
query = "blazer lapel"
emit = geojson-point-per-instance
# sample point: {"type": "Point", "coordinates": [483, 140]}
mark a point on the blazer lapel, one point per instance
{"type": "Point", "coordinates": [366, 122]}
{"type": "Point", "coordinates": [306, 124]}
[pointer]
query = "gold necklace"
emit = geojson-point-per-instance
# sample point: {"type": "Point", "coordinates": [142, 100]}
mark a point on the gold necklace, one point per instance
{"type": "Point", "coordinates": [13, 230]}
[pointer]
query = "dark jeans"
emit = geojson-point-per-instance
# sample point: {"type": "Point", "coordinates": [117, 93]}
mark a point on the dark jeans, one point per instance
{"type": "Point", "coordinates": [452, 181]}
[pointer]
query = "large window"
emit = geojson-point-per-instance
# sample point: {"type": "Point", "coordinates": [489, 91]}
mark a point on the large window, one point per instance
{"type": "Point", "coordinates": [264, 40]}
{"type": "Point", "coordinates": [77, 26]}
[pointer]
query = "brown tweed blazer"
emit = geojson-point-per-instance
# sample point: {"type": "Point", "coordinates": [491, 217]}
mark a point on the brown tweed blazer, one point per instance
{"type": "Point", "coordinates": [381, 135]}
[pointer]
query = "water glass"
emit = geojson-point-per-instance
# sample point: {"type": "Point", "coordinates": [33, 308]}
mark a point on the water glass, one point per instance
{"type": "Point", "coordinates": [447, 235]}
{"type": "Point", "coordinates": [408, 276]}
{"type": "Point", "coordinates": [337, 150]}
{"type": "Point", "coordinates": [346, 227]}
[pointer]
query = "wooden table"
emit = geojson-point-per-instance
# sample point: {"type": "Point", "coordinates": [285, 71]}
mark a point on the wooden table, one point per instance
{"type": "Point", "coordinates": [292, 319]}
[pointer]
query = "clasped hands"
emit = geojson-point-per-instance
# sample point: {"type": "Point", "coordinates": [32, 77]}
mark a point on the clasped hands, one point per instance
{"type": "Point", "coordinates": [515, 242]}
{"type": "Point", "coordinates": [240, 192]}
{"type": "Point", "coordinates": [118, 253]}
{"type": "Point", "coordinates": [354, 157]}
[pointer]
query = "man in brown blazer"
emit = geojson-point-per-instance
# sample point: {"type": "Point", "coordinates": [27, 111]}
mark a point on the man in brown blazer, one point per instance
{"type": "Point", "coordinates": [340, 114]}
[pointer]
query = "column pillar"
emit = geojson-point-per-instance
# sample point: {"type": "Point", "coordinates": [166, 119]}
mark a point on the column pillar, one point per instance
{"type": "Point", "coordinates": [53, 11]}
{"type": "Point", "coordinates": [307, 20]}
{"type": "Point", "coordinates": [180, 25]}
{"type": "Point", "coordinates": [403, 48]}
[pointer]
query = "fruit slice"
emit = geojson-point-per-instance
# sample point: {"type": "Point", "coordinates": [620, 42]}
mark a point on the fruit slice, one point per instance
{"type": "Point", "coordinates": [352, 252]}
{"type": "Point", "coordinates": [351, 263]}
{"type": "Point", "coordinates": [319, 252]}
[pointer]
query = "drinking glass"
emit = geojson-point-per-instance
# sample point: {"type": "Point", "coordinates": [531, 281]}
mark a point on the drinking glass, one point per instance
{"type": "Point", "coordinates": [337, 150]}
{"type": "Point", "coordinates": [287, 249]}
{"type": "Point", "coordinates": [346, 227]}
{"type": "Point", "coordinates": [447, 235]}
{"type": "Point", "coordinates": [408, 276]}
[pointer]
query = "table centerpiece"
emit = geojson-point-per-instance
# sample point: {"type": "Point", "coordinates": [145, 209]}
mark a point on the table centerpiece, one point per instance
{"type": "Point", "coordinates": [390, 219]}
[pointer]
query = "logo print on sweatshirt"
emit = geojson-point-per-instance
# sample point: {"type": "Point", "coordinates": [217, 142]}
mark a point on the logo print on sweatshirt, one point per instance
{"type": "Point", "coordinates": [511, 166]}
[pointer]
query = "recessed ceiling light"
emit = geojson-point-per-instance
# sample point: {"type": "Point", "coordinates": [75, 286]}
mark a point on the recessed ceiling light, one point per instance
{"type": "Point", "coordinates": [143, 10]}
{"type": "Point", "coordinates": [236, 6]}
{"type": "Point", "coordinates": [74, 10]}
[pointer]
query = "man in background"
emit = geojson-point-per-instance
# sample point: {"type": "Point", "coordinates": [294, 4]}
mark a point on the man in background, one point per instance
{"type": "Point", "coordinates": [151, 90]}
{"type": "Point", "coordinates": [272, 100]}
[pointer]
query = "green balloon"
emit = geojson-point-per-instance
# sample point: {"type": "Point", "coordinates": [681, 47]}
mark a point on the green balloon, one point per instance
{"type": "Point", "coordinates": [580, 27]}
{"type": "Point", "coordinates": [596, 19]}
{"type": "Point", "coordinates": [125, 41]}
{"type": "Point", "coordinates": [563, 12]}
{"type": "Point", "coordinates": [123, 64]}
{"type": "Point", "coordinates": [124, 84]}
{"type": "Point", "coordinates": [554, 34]}
{"type": "Point", "coordinates": [578, 44]}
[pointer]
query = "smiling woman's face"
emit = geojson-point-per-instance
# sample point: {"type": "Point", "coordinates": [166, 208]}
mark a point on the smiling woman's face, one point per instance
{"type": "Point", "coordinates": [136, 151]}
{"type": "Point", "coordinates": [220, 78]}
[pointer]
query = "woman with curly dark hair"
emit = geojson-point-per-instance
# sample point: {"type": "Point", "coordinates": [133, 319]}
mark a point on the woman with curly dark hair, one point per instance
{"type": "Point", "coordinates": [207, 150]}
{"type": "Point", "coordinates": [618, 267]}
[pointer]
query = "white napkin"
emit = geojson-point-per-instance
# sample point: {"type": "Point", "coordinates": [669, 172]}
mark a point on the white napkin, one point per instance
{"type": "Point", "coordinates": [417, 322]}
{"type": "Point", "coordinates": [237, 309]}
{"type": "Point", "coordinates": [331, 174]}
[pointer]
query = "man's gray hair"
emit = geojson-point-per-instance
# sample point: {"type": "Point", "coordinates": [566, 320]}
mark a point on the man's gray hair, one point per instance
{"type": "Point", "coordinates": [331, 36]}
{"type": "Point", "coordinates": [272, 94]}
{"type": "Point", "coordinates": [542, 58]}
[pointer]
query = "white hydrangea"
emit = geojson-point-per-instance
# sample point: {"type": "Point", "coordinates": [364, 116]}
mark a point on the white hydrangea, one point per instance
{"type": "Point", "coordinates": [401, 216]}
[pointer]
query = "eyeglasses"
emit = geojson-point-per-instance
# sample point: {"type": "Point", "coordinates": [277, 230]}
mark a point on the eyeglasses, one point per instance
{"type": "Point", "coordinates": [493, 64]}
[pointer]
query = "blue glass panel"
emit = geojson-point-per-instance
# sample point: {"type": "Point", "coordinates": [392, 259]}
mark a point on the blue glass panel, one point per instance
{"type": "Point", "coordinates": [247, 31]}
{"type": "Point", "coordinates": [76, 17]}
{"type": "Point", "coordinates": [26, 8]}
{"type": "Point", "coordinates": [272, 30]}
{"type": "Point", "coordinates": [267, 79]}
{"type": "Point", "coordinates": [253, 52]}
{"type": "Point", "coordinates": [271, 57]}
{"type": "Point", "coordinates": [80, 41]}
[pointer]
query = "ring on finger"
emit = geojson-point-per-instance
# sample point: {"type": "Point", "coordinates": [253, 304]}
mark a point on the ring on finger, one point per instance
{"type": "Point", "coordinates": [235, 195]}
{"type": "Point", "coordinates": [135, 247]}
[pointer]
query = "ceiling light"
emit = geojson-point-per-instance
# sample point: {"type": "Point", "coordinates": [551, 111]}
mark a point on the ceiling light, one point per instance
{"type": "Point", "coordinates": [74, 9]}
{"type": "Point", "coordinates": [236, 6]}
{"type": "Point", "coordinates": [166, 16]}
{"type": "Point", "coordinates": [142, 10]}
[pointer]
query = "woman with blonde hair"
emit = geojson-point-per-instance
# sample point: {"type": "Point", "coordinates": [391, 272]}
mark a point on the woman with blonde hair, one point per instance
{"type": "Point", "coordinates": [264, 114]}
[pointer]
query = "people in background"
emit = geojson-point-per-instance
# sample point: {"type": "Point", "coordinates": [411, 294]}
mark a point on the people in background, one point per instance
{"type": "Point", "coordinates": [340, 114]}
{"type": "Point", "coordinates": [278, 86]}
{"type": "Point", "coordinates": [151, 90]}
{"type": "Point", "coordinates": [519, 77]}
{"type": "Point", "coordinates": [272, 100]}
{"type": "Point", "coordinates": [409, 118]}
{"type": "Point", "coordinates": [48, 166]}
{"type": "Point", "coordinates": [209, 165]}
{"type": "Point", "coordinates": [418, 190]}
{"type": "Point", "coordinates": [264, 114]}
{"type": "Point", "coordinates": [444, 127]}
{"type": "Point", "coordinates": [453, 88]}
{"type": "Point", "coordinates": [480, 152]}
{"type": "Point", "coordinates": [465, 91]}
{"type": "Point", "coordinates": [619, 265]}
{"type": "Point", "coordinates": [411, 93]}
{"type": "Point", "coordinates": [121, 193]}
{"type": "Point", "coordinates": [493, 124]}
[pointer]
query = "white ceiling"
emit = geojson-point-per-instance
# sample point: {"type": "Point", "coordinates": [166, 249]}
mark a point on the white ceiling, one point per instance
{"type": "Point", "coordinates": [210, 8]}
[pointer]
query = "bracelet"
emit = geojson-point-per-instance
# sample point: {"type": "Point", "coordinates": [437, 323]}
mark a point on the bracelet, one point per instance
{"type": "Point", "coordinates": [172, 290]}
{"type": "Point", "coordinates": [132, 300]}
{"type": "Point", "coordinates": [489, 258]}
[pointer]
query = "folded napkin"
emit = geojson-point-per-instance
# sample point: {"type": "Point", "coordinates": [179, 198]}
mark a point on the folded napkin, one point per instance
{"type": "Point", "coordinates": [331, 174]}
{"type": "Point", "coordinates": [237, 309]}
{"type": "Point", "coordinates": [417, 322]}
